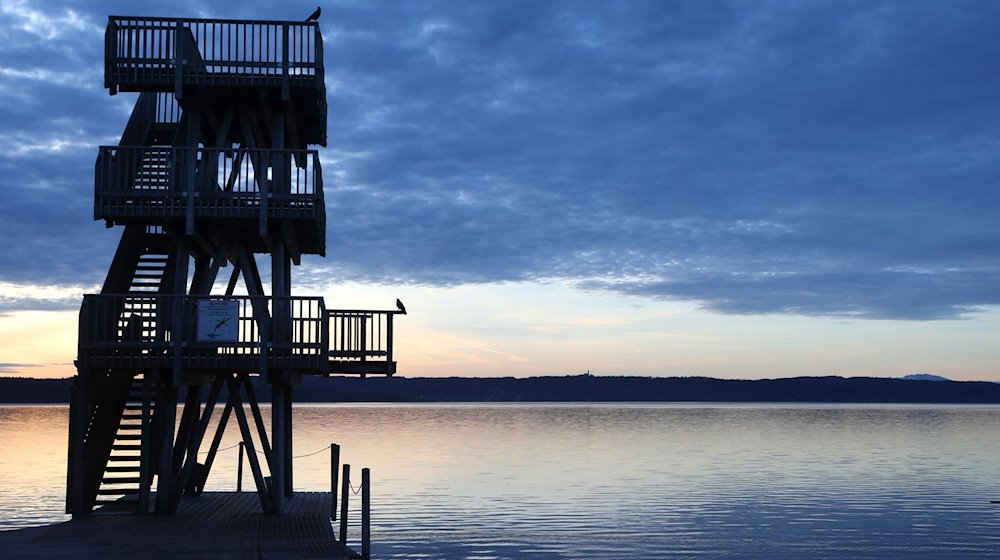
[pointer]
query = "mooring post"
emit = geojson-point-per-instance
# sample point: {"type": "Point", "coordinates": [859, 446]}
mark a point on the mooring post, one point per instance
{"type": "Point", "coordinates": [345, 488]}
{"type": "Point", "coordinates": [334, 471]}
{"type": "Point", "coordinates": [239, 471]}
{"type": "Point", "coordinates": [366, 537]}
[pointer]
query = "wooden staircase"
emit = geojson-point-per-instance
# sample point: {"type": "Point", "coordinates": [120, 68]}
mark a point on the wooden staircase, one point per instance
{"type": "Point", "coordinates": [154, 170]}
{"type": "Point", "coordinates": [124, 487]}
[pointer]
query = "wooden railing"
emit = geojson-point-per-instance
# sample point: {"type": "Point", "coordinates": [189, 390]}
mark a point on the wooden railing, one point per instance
{"type": "Point", "coordinates": [175, 182]}
{"type": "Point", "coordinates": [361, 341]}
{"type": "Point", "coordinates": [165, 52]}
{"type": "Point", "coordinates": [246, 333]}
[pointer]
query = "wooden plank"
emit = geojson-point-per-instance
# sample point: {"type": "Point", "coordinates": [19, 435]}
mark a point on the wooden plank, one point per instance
{"type": "Point", "coordinates": [209, 526]}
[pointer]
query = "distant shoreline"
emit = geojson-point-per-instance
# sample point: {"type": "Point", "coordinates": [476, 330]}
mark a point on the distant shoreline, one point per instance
{"type": "Point", "coordinates": [584, 389]}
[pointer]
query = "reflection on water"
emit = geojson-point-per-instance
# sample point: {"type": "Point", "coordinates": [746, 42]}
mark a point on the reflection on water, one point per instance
{"type": "Point", "coordinates": [619, 481]}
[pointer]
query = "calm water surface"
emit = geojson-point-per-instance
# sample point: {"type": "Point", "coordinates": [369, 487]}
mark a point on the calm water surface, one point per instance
{"type": "Point", "coordinates": [636, 481]}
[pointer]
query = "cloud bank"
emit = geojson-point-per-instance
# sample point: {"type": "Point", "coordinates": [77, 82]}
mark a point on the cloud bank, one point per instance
{"type": "Point", "coordinates": [828, 159]}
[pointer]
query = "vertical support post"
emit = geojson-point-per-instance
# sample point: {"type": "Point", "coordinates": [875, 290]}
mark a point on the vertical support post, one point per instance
{"type": "Point", "coordinates": [166, 408]}
{"type": "Point", "coordinates": [345, 488]}
{"type": "Point", "coordinates": [189, 416]}
{"type": "Point", "coordinates": [334, 471]}
{"type": "Point", "coordinates": [181, 258]}
{"type": "Point", "coordinates": [77, 429]}
{"type": "Point", "coordinates": [278, 447]}
{"type": "Point", "coordinates": [288, 440]}
{"type": "Point", "coordinates": [239, 471]}
{"type": "Point", "coordinates": [145, 443]}
{"type": "Point", "coordinates": [366, 537]}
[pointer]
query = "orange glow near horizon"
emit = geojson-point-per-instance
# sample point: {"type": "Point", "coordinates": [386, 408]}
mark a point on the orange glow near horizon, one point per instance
{"type": "Point", "coordinates": [38, 343]}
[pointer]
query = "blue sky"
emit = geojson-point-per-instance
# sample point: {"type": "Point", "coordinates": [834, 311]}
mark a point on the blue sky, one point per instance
{"type": "Point", "coordinates": [740, 189]}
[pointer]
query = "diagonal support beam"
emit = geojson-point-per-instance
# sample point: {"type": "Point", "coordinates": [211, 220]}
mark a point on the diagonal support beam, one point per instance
{"type": "Point", "coordinates": [219, 430]}
{"type": "Point", "coordinates": [181, 485]}
{"type": "Point", "coordinates": [241, 417]}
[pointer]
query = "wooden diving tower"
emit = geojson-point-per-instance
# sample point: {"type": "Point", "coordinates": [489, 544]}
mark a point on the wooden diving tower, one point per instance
{"type": "Point", "coordinates": [213, 172]}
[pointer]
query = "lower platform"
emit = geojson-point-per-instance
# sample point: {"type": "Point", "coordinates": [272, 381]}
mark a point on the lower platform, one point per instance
{"type": "Point", "coordinates": [216, 525]}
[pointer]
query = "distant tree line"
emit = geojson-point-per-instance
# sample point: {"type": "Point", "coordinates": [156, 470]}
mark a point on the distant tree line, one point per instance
{"type": "Point", "coordinates": [586, 388]}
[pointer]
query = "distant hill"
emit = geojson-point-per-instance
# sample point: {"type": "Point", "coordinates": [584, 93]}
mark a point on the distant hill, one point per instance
{"type": "Point", "coordinates": [34, 391]}
{"type": "Point", "coordinates": [587, 388]}
{"type": "Point", "coordinates": [925, 377]}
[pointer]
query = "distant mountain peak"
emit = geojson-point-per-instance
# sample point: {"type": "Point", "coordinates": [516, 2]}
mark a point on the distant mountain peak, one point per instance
{"type": "Point", "coordinates": [925, 377]}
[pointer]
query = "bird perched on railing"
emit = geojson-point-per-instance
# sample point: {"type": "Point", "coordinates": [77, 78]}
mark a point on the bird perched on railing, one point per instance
{"type": "Point", "coordinates": [399, 306]}
{"type": "Point", "coordinates": [315, 15]}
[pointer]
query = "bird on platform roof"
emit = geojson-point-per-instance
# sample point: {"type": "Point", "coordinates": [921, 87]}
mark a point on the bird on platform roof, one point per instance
{"type": "Point", "coordinates": [315, 15]}
{"type": "Point", "coordinates": [399, 306]}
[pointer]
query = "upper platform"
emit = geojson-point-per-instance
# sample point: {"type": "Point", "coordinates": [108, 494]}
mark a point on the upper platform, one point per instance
{"type": "Point", "coordinates": [224, 57]}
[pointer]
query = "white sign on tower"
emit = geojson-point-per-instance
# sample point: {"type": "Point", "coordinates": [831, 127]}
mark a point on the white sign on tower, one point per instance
{"type": "Point", "coordinates": [218, 320]}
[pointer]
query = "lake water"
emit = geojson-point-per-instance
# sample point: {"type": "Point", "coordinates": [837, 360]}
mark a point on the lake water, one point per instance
{"type": "Point", "coordinates": [636, 481]}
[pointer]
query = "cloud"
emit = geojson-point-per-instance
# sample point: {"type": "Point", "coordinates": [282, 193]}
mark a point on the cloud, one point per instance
{"type": "Point", "coordinates": [8, 367]}
{"type": "Point", "coordinates": [828, 158]}
{"type": "Point", "coordinates": [19, 297]}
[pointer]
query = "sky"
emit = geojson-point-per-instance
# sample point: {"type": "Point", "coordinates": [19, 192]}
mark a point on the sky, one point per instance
{"type": "Point", "coordinates": [736, 189]}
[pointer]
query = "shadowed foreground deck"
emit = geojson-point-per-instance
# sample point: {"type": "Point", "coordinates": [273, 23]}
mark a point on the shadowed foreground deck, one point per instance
{"type": "Point", "coordinates": [215, 525]}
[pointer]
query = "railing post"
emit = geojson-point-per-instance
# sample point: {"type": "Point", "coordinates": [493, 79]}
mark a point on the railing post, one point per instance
{"type": "Point", "coordinates": [334, 471]}
{"type": "Point", "coordinates": [239, 470]}
{"type": "Point", "coordinates": [325, 343]}
{"type": "Point", "coordinates": [366, 539]}
{"type": "Point", "coordinates": [363, 336]}
{"type": "Point", "coordinates": [264, 185]}
{"type": "Point", "coordinates": [190, 159]}
{"type": "Point", "coordinates": [388, 340]}
{"type": "Point", "coordinates": [178, 61]}
{"type": "Point", "coordinates": [284, 62]}
{"type": "Point", "coordinates": [345, 488]}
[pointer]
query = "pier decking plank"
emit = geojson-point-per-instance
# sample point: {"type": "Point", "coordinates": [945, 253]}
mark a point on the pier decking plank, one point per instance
{"type": "Point", "coordinates": [217, 525]}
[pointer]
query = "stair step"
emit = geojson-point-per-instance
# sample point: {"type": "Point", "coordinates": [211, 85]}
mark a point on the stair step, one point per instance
{"type": "Point", "coordinates": [130, 427]}
{"type": "Point", "coordinates": [128, 437]}
{"type": "Point", "coordinates": [131, 416]}
{"type": "Point", "coordinates": [113, 468]}
{"type": "Point", "coordinates": [132, 503]}
{"type": "Point", "coordinates": [126, 447]}
{"type": "Point", "coordinates": [133, 407]}
{"type": "Point", "coordinates": [120, 480]}
{"type": "Point", "coordinates": [123, 458]}
{"type": "Point", "coordinates": [117, 492]}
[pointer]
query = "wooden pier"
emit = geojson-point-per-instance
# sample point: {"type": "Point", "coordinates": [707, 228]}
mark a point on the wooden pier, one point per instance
{"type": "Point", "coordinates": [216, 525]}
